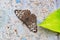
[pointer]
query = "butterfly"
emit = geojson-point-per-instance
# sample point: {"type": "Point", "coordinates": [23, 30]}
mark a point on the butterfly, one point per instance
{"type": "Point", "coordinates": [30, 20]}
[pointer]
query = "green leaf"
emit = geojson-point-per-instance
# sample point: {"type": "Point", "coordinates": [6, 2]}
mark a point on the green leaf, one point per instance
{"type": "Point", "coordinates": [52, 21]}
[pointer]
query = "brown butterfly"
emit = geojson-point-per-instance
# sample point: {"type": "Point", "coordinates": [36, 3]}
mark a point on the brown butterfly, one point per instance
{"type": "Point", "coordinates": [30, 20]}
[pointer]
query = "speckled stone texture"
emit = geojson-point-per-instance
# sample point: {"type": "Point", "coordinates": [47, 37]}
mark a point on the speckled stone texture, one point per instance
{"type": "Point", "coordinates": [11, 28]}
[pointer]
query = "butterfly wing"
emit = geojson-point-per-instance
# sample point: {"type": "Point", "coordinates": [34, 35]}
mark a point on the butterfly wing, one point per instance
{"type": "Point", "coordinates": [28, 19]}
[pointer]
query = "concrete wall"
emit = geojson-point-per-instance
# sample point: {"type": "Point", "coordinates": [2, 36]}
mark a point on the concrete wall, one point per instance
{"type": "Point", "coordinates": [11, 28]}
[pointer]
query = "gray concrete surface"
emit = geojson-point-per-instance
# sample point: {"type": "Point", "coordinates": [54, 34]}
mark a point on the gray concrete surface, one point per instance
{"type": "Point", "coordinates": [13, 29]}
